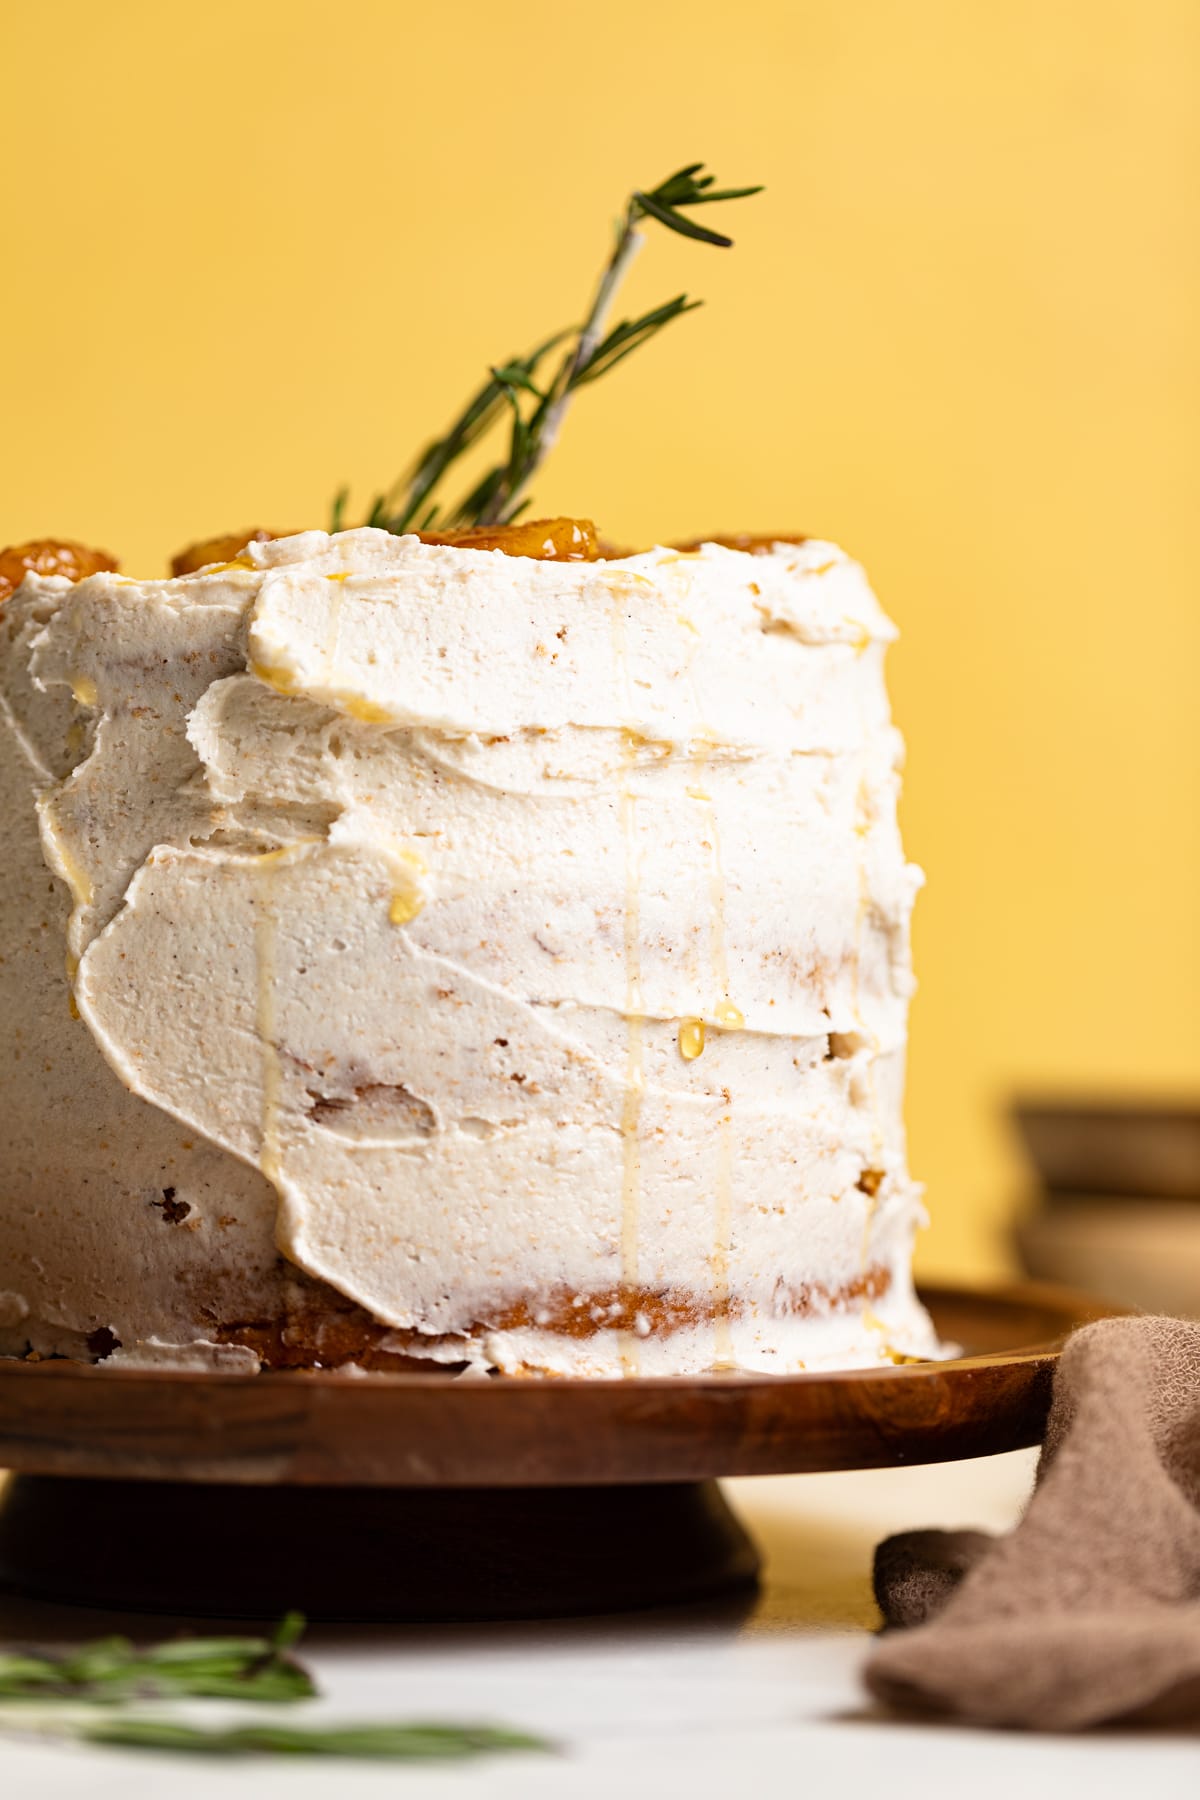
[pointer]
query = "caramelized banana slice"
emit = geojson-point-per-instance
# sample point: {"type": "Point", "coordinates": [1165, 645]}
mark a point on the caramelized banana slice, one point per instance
{"type": "Point", "coordinates": [49, 556]}
{"type": "Point", "coordinates": [220, 549]}
{"type": "Point", "coordinates": [753, 543]}
{"type": "Point", "coordinates": [549, 540]}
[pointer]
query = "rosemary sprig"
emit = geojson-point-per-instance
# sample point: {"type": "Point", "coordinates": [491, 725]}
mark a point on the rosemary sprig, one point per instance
{"type": "Point", "coordinates": [399, 1743]}
{"type": "Point", "coordinates": [404, 507]}
{"type": "Point", "coordinates": [536, 413]}
{"type": "Point", "coordinates": [72, 1694]}
{"type": "Point", "coordinates": [111, 1670]}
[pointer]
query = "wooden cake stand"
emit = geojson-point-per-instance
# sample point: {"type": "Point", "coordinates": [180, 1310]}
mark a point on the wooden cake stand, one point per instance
{"type": "Point", "coordinates": [429, 1497]}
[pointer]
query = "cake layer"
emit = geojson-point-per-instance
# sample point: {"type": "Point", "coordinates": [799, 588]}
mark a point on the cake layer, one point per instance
{"type": "Point", "coordinates": [520, 949]}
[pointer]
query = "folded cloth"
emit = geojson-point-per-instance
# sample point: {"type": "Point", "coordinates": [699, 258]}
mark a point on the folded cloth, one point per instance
{"type": "Point", "coordinates": [1088, 1612]}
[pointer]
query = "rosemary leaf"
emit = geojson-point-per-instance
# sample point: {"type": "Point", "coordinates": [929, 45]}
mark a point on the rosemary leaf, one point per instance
{"type": "Point", "coordinates": [512, 375]}
{"type": "Point", "coordinates": [675, 221]}
{"type": "Point", "coordinates": [682, 183]}
{"type": "Point", "coordinates": [628, 335]}
{"type": "Point", "coordinates": [682, 189]}
{"type": "Point", "coordinates": [705, 199]}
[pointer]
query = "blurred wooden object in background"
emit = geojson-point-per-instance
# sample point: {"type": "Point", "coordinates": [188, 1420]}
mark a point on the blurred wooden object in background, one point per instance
{"type": "Point", "coordinates": [1119, 1209]}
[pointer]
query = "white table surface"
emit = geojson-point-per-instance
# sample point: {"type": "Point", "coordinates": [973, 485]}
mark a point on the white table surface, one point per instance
{"type": "Point", "coordinates": [673, 1707]}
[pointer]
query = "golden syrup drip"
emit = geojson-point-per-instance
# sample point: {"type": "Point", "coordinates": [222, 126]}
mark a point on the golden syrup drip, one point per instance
{"type": "Point", "coordinates": [869, 1212]}
{"type": "Point", "coordinates": [69, 868]}
{"type": "Point", "coordinates": [72, 872]}
{"type": "Point", "coordinates": [404, 906]}
{"type": "Point", "coordinates": [407, 899]}
{"type": "Point", "coordinates": [631, 1183]}
{"type": "Point", "coordinates": [691, 1039]}
{"type": "Point", "coordinates": [727, 1017]}
{"type": "Point", "coordinates": [873, 1322]}
{"type": "Point", "coordinates": [224, 568]}
{"type": "Point", "coordinates": [635, 1083]}
{"type": "Point", "coordinates": [723, 1358]}
{"type": "Point", "coordinates": [280, 679]}
{"type": "Point", "coordinates": [286, 681]}
{"type": "Point", "coordinates": [216, 554]}
{"type": "Point", "coordinates": [725, 1014]}
{"type": "Point", "coordinates": [265, 1017]}
{"type": "Point", "coordinates": [366, 710]}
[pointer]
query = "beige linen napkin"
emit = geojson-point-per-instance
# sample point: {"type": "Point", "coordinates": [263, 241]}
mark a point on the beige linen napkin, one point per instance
{"type": "Point", "coordinates": [1087, 1613]}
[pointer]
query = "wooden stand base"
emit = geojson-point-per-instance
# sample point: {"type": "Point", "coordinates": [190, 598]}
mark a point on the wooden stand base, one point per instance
{"type": "Point", "coordinates": [370, 1553]}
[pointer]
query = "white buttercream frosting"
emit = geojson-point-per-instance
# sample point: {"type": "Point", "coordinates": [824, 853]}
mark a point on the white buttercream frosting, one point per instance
{"type": "Point", "coordinates": [519, 948]}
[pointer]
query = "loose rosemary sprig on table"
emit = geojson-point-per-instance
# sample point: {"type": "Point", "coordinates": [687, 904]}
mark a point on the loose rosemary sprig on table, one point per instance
{"type": "Point", "coordinates": [536, 412]}
{"type": "Point", "coordinates": [80, 1695]}
{"type": "Point", "coordinates": [417, 1742]}
{"type": "Point", "coordinates": [111, 1670]}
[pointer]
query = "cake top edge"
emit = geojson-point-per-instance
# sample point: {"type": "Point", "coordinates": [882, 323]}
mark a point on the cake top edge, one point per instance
{"type": "Point", "coordinates": [369, 544]}
{"type": "Point", "coordinates": [563, 539]}
{"type": "Point", "coordinates": [810, 590]}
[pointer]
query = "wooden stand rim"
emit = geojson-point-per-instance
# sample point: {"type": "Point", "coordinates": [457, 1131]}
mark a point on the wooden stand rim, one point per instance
{"type": "Point", "coordinates": [321, 1428]}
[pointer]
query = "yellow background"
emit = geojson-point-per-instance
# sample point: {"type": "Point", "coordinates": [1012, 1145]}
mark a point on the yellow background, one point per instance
{"type": "Point", "coordinates": [252, 249]}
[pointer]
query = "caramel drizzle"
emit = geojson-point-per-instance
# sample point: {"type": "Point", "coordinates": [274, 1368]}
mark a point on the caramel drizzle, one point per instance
{"type": "Point", "coordinates": [728, 1017]}
{"type": "Point", "coordinates": [725, 1013]}
{"type": "Point", "coordinates": [635, 1078]}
